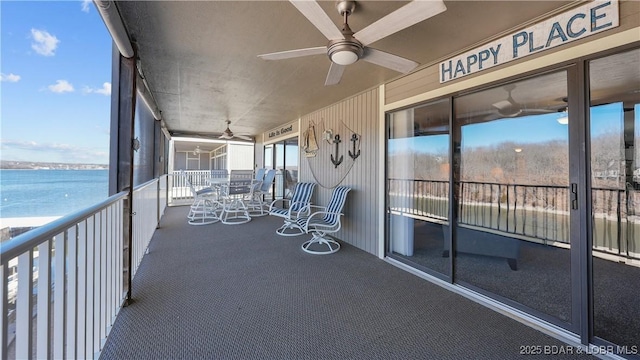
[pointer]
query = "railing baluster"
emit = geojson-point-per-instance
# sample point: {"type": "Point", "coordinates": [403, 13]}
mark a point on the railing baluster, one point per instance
{"type": "Point", "coordinates": [81, 291]}
{"type": "Point", "coordinates": [72, 257]}
{"type": "Point", "coordinates": [4, 310]}
{"type": "Point", "coordinates": [89, 328]}
{"type": "Point", "coordinates": [499, 205]}
{"type": "Point", "coordinates": [545, 219]}
{"type": "Point", "coordinates": [44, 300]}
{"type": "Point", "coordinates": [59, 298]}
{"type": "Point", "coordinates": [619, 221]}
{"type": "Point", "coordinates": [97, 289]}
{"type": "Point", "coordinates": [103, 277]}
{"type": "Point", "coordinates": [524, 210]}
{"type": "Point", "coordinates": [107, 271]}
{"type": "Point", "coordinates": [515, 209]}
{"type": "Point", "coordinates": [24, 306]}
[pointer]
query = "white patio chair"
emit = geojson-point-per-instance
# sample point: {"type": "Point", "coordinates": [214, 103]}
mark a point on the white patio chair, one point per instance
{"type": "Point", "coordinates": [259, 175]}
{"type": "Point", "coordinates": [324, 221]}
{"type": "Point", "coordinates": [205, 208]}
{"type": "Point", "coordinates": [234, 209]}
{"type": "Point", "coordinates": [291, 209]}
{"type": "Point", "coordinates": [255, 200]}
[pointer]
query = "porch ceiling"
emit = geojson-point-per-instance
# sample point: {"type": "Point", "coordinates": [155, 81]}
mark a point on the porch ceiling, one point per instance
{"type": "Point", "coordinates": [200, 57]}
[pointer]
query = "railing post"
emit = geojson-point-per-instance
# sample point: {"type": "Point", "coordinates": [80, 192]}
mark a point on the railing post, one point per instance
{"type": "Point", "coordinates": [4, 310]}
{"type": "Point", "coordinates": [127, 231]}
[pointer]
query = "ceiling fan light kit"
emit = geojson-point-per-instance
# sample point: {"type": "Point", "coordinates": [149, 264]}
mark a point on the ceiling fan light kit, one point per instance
{"type": "Point", "coordinates": [345, 52]}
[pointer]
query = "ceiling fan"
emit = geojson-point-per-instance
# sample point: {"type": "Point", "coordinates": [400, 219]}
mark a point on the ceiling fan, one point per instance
{"type": "Point", "coordinates": [509, 108]}
{"type": "Point", "coordinates": [228, 134]}
{"type": "Point", "coordinates": [346, 47]}
{"type": "Point", "coordinates": [197, 150]}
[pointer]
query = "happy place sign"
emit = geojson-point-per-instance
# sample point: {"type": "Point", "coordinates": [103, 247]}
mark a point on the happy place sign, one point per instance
{"type": "Point", "coordinates": [577, 23]}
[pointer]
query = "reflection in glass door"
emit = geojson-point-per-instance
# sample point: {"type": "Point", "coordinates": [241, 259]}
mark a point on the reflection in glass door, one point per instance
{"type": "Point", "coordinates": [511, 179]}
{"type": "Point", "coordinates": [615, 193]}
{"type": "Point", "coordinates": [418, 186]}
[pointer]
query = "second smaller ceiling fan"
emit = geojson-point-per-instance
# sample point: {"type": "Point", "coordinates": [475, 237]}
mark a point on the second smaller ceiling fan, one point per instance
{"type": "Point", "coordinates": [228, 134]}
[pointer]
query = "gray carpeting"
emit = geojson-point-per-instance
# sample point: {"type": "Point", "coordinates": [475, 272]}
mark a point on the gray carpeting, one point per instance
{"type": "Point", "coordinates": [243, 292]}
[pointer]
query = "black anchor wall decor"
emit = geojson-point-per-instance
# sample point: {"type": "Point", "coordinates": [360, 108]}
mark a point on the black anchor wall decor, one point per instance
{"type": "Point", "coordinates": [337, 141]}
{"type": "Point", "coordinates": [354, 139]}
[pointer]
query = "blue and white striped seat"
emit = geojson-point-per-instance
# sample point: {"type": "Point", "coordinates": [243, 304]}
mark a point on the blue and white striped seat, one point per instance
{"type": "Point", "coordinates": [291, 209]}
{"type": "Point", "coordinates": [324, 221]}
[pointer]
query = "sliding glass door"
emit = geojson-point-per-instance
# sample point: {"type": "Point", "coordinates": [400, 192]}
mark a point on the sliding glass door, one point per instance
{"type": "Point", "coordinates": [528, 192]}
{"type": "Point", "coordinates": [615, 192]}
{"type": "Point", "coordinates": [283, 156]}
{"type": "Point", "coordinates": [512, 187]}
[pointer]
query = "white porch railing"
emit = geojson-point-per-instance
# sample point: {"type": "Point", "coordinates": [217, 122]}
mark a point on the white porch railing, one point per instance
{"type": "Point", "coordinates": [179, 192]}
{"type": "Point", "coordinates": [83, 255]}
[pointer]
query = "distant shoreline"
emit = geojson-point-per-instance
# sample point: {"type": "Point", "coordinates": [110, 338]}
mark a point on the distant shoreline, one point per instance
{"type": "Point", "coordinates": [27, 221]}
{"type": "Point", "coordinates": [31, 165]}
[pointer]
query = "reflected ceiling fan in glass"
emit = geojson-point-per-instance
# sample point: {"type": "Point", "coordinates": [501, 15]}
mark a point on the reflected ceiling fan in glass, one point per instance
{"type": "Point", "coordinates": [510, 108]}
{"type": "Point", "coordinates": [346, 47]}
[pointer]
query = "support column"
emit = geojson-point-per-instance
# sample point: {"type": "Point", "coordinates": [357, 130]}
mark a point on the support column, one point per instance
{"type": "Point", "coordinates": [123, 104]}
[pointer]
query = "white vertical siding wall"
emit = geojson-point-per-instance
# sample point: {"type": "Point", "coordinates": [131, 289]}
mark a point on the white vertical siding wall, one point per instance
{"type": "Point", "coordinates": [240, 157]}
{"type": "Point", "coordinates": [360, 114]}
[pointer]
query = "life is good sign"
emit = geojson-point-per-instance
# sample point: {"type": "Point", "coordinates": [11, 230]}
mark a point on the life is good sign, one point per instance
{"type": "Point", "coordinates": [577, 23]}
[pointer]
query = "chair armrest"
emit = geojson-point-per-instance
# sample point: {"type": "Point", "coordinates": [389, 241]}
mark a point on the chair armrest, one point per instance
{"type": "Point", "coordinates": [327, 226]}
{"type": "Point", "coordinates": [274, 202]}
{"type": "Point", "coordinates": [305, 209]}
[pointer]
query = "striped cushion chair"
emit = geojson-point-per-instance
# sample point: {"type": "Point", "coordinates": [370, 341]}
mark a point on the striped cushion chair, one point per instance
{"type": "Point", "coordinates": [324, 221]}
{"type": "Point", "coordinates": [291, 209]}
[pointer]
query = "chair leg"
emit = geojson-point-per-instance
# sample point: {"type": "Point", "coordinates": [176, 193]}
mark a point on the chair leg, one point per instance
{"type": "Point", "coordinates": [203, 212]}
{"type": "Point", "coordinates": [256, 207]}
{"type": "Point", "coordinates": [234, 212]}
{"type": "Point", "coordinates": [288, 225]}
{"type": "Point", "coordinates": [320, 239]}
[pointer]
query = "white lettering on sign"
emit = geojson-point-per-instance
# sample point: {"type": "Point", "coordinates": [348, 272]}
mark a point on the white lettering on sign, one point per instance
{"type": "Point", "coordinates": [577, 23]}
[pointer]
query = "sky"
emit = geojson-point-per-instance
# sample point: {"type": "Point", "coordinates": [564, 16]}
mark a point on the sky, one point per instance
{"type": "Point", "coordinates": [55, 72]}
{"type": "Point", "coordinates": [522, 130]}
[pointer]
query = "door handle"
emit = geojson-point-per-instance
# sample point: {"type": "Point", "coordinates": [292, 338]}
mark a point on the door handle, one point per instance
{"type": "Point", "coordinates": [574, 196]}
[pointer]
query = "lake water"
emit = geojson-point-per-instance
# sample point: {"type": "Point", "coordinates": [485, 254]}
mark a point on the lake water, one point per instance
{"type": "Point", "coordinates": [43, 193]}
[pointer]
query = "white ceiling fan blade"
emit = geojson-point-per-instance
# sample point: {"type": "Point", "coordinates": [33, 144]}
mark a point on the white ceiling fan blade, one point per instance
{"type": "Point", "coordinates": [245, 137]}
{"type": "Point", "coordinates": [538, 111]}
{"type": "Point", "coordinates": [320, 50]}
{"type": "Point", "coordinates": [410, 14]}
{"type": "Point", "coordinates": [393, 62]}
{"type": "Point", "coordinates": [335, 74]}
{"type": "Point", "coordinates": [314, 13]}
{"type": "Point", "coordinates": [503, 104]}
